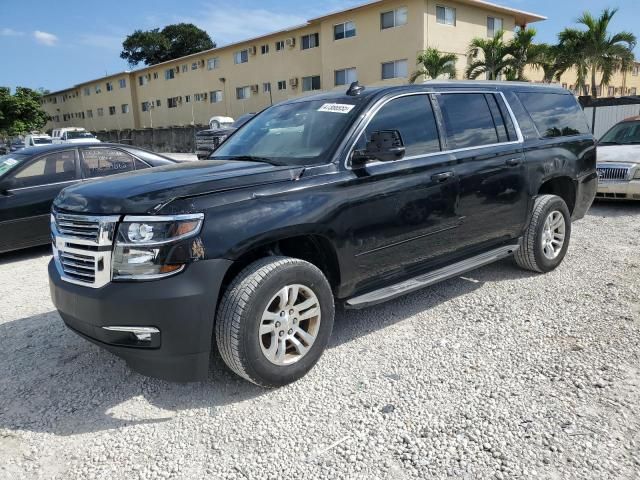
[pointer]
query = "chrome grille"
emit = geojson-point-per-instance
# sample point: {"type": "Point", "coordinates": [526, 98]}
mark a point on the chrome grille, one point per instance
{"type": "Point", "coordinates": [608, 174]}
{"type": "Point", "coordinates": [76, 226]}
{"type": "Point", "coordinates": [79, 267]}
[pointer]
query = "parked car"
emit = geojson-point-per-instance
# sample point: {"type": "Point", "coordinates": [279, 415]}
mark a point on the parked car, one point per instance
{"type": "Point", "coordinates": [208, 140]}
{"type": "Point", "coordinates": [31, 178]}
{"type": "Point", "coordinates": [619, 161]}
{"type": "Point", "coordinates": [16, 145]}
{"type": "Point", "coordinates": [220, 122]}
{"type": "Point", "coordinates": [381, 192]}
{"type": "Point", "coordinates": [34, 140]}
{"type": "Point", "coordinates": [73, 135]}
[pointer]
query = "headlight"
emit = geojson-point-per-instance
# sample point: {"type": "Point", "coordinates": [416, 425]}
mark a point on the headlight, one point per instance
{"type": "Point", "coordinates": [149, 247]}
{"type": "Point", "coordinates": [637, 175]}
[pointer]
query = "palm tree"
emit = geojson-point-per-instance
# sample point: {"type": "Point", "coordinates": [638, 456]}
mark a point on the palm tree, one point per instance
{"type": "Point", "coordinates": [523, 51]}
{"type": "Point", "coordinates": [434, 64]}
{"type": "Point", "coordinates": [496, 57]}
{"type": "Point", "coordinates": [551, 59]}
{"type": "Point", "coordinates": [595, 50]}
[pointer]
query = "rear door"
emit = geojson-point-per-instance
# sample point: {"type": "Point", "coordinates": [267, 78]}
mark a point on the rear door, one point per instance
{"type": "Point", "coordinates": [483, 136]}
{"type": "Point", "coordinates": [26, 205]}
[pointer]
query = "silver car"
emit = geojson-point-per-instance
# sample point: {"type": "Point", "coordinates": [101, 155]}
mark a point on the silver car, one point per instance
{"type": "Point", "coordinates": [619, 161]}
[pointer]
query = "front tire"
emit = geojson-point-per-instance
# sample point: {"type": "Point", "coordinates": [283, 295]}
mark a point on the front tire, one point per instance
{"type": "Point", "coordinates": [546, 239]}
{"type": "Point", "coordinates": [275, 320]}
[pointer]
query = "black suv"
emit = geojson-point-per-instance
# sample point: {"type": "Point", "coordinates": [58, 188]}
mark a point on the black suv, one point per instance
{"type": "Point", "coordinates": [354, 197]}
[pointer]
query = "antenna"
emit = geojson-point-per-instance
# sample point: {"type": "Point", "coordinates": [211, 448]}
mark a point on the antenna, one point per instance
{"type": "Point", "coordinates": [355, 89]}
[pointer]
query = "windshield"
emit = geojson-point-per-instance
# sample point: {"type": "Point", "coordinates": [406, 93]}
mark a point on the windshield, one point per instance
{"type": "Point", "coordinates": [8, 162]}
{"type": "Point", "coordinates": [301, 133]}
{"type": "Point", "coordinates": [625, 133]}
{"type": "Point", "coordinates": [41, 140]}
{"type": "Point", "coordinates": [74, 135]}
{"type": "Point", "coordinates": [242, 119]}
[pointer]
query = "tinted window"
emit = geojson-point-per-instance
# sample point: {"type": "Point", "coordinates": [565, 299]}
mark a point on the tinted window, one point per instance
{"type": "Point", "coordinates": [555, 114]}
{"type": "Point", "coordinates": [626, 133]}
{"type": "Point", "coordinates": [413, 117]}
{"type": "Point", "coordinates": [52, 168]}
{"type": "Point", "coordinates": [468, 120]}
{"type": "Point", "coordinates": [100, 162]}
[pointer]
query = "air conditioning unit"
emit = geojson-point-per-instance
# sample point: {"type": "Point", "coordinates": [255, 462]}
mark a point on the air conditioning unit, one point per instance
{"type": "Point", "coordinates": [290, 42]}
{"type": "Point", "coordinates": [253, 50]}
{"type": "Point", "coordinates": [293, 82]}
{"type": "Point", "coordinates": [255, 89]}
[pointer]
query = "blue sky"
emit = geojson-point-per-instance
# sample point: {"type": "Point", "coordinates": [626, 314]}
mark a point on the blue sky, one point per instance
{"type": "Point", "coordinates": [55, 45]}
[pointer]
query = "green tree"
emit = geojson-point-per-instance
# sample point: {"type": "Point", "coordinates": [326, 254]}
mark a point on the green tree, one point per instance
{"type": "Point", "coordinates": [156, 46]}
{"type": "Point", "coordinates": [21, 112]}
{"type": "Point", "coordinates": [496, 57]}
{"type": "Point", "coordinates": [595, 50]}
{"type": "Point", "coordinates": [524, 53]}
{"type": "Point", "coordinates": [433, 64]}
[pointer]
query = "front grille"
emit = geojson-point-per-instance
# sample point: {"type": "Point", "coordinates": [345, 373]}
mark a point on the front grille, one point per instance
{"type": "Point", "coordinates": [608, 174]}
{"type": "Point", "coordinates": [79, 267]}
{"type": "Point", "coordinates": [76, 226]}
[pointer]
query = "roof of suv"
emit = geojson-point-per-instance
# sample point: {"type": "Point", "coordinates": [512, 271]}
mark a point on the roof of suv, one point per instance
{"type": "Point", "coordinates": [434, 85]}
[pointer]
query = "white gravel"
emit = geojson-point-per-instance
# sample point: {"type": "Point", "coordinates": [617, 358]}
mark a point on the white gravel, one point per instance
{"type": "Point", "coordinates": [500, 374]}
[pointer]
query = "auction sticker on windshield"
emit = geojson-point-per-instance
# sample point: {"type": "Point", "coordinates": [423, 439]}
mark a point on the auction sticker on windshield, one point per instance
{"type": "Point", "coordinates": [7, 164]}
{"type": "Point", "coordinates": [336, 107]}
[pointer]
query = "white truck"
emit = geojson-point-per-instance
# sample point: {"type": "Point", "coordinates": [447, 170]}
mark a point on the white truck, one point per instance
{"type": "Point", "coordinates": [73, 135]}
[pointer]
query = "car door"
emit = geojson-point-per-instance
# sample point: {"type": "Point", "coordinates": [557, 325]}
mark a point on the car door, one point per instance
{"type": "Point", "coordinates": [483, 136]}
{"type": "Point", "coordinates": [401, 213]}
{"type": "Point", "coordinates": [26, 204]}
{"type": "Point", "coordinates": [103, 161]}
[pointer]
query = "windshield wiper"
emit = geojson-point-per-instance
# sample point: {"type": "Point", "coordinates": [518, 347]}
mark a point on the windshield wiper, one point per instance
{"type": "Point", "coordinates": [249, 158]}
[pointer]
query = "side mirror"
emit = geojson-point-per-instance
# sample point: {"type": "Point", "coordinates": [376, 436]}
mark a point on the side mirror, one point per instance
{"type": "Point", "coordinates": [384, 145]}
{"type": "Point", "coordinates": [6, 185]}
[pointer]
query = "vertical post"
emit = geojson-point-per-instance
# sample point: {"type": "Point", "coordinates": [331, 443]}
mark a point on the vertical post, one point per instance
{"type": "Point", "coordinates": [593, 120]}
{"type": "Point", "coordinates": [270, 94]}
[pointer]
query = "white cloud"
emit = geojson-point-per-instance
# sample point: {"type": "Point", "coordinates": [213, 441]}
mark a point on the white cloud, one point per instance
{"type": "Point", "coordinates": [45, 38]}
{"type": "Point", "coordinates": [106, 42]}
{"type": "Point", "coordinates": [10, 32]}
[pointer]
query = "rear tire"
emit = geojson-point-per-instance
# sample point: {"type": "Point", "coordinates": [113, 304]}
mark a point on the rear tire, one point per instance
{"type": "Point", "coordinates": [546, 239]}
{"type": "Point", "coordinates": [275, 320]}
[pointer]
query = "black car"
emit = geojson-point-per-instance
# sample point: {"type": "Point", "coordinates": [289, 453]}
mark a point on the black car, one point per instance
{"type": "Point", "coordinates": [32, 177]}
{"type": "Point", "coordinates": [208, 140]}
{"type": "Point", "coordinates": [354, 197]}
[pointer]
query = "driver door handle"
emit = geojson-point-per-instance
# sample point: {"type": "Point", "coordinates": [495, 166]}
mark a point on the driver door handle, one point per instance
{"type": "Point", "coordinates": [442, 177]}
{"type": "Point", "coordinates": [512, 162]}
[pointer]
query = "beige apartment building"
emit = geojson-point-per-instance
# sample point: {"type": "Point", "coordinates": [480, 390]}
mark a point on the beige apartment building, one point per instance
{"type": "Point", "coordinates": [375, 43]}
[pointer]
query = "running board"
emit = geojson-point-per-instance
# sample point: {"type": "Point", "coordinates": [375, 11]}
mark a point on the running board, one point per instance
{"type": "Point", "coordinates": [430, 278]}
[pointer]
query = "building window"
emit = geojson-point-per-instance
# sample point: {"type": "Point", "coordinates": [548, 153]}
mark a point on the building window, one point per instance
{"type": "Point", "coordinates": [393, 18]}
{"type": "Point", "coordinates": [87, 91]}
{"type": "Point", "coordinates": [264, 49]}
{"type": "Point", "coordinates": [123, 83]}
{"type": "Point", "coordinates": [89, 113]}
{"type": "Point", "coordinates": [310, 41]}
{"type": "Point", "coordinates": [636, 70]}
{"type": "Point", "coordinates": [199, 97]}
{"type": "Point", "coordinates": [212, 63]}
{"type": "Point", "coordinates": [215, 96]}
{"type": "Point", "coordinates": [100, 112]}
{"type": "Point", "coordinates": [395, 69]}
{"type": "Point", "coordinates": [146, 106]}
{"type": "Point", "coordinates": [143, 80]}
{"type": "Point", "coordinates": [125, 108]}
{"type": "Point", "coordinates": [311, 83]}
{"type": "Point", "coordinates": [612, 91]}
{"type": "Point", "coordinates": [632, 91]}
{"type": "Point", "coordinates": [494, 25]}
{"type": "Point", "coordinates": [266, 87]}
{"type": "Point", "coordinates": [243, 93]}
{"type": "Point", "coordinates": [98, 89]}
{"type": "Point", "coordinates": [345, 76]}
{"type": "Point", "coordinates": [172, 102]}
{"type": "Point", "coordinates": [169, 74]}
{"type": "Point", "coordinates": [344, 30]}
{"type": "Point", "coordinates": [109, 87]}
{"type": "Point", "coordinates": [194, 66]}
{"type": "Point", "coordinates": [112, 110]}
{"type": "Point", "coordinates": [158, 103]}
{"type": "Point", "coordinates": [155, 75]}
{"type": "Point", "coordinates": [241, 57]}
{"type": "Point", "coordinates": [187, 99]}
{"type": "Point", "coordinates": [279, 45]}
{"type": "Point", "coordinates": [282, 85]}
{"type": "Point", "coordinates": [184, 68]}
{"type": "Point", "coordinates": [446, 15]}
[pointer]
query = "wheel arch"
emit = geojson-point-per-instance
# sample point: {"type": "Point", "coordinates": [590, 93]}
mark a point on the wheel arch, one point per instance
{"type": "Point", "coordinates": [563, 186]}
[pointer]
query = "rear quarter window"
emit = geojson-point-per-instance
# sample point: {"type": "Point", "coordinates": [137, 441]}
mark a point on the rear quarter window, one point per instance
{"type": "Point", "coordinates": [555, 114]}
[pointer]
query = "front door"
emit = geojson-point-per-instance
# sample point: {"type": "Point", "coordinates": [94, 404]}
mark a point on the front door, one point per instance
{"type": "Point", "coordinates": [26, 204]}
{"type": "Point", "coordinates": [401, 213]}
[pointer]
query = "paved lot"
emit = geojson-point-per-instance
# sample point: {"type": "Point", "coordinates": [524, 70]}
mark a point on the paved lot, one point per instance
{"type": "Point", "coordinates": [500, 374]}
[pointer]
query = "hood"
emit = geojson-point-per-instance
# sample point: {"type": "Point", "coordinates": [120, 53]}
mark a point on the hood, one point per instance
{"type": "Point", "coordinates": [214, 132]}
{"type": "Point", "coordinates": [146, 191]}
{"type": "Point", "coordinates": [619, 153]}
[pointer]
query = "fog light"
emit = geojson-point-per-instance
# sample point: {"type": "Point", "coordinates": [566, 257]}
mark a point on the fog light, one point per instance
{"type": "Point", "coordinates": [142, 334]}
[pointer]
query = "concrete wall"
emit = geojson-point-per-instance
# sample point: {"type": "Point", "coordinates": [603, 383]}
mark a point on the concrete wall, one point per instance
{"type": "Point", "coordinates": [169, 139]}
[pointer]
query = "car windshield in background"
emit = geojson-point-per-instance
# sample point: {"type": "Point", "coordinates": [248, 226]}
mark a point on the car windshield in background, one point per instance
{"type": "Point", "coordinates": [8, 162]}
{"type": "Point", "coordinates": [42, 141]}
{"type": "Point", "coordinates": [626, 133]}
{"type": "Point", "coordinates": [301, 133]}
{"type": "Point", "coordinates": [74, 135]}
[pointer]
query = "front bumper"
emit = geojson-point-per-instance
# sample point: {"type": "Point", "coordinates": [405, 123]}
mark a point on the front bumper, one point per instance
{"type": "Point", "coordinates": [181, 307]}
{"type": "Point", "coordinates": [622, 190]}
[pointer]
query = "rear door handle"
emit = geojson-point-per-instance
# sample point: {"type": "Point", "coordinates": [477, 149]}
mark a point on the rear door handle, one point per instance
{"type": "Point", "coordinates": [512, 162]}
{"type": "Point", "coordinates": [442, 177]}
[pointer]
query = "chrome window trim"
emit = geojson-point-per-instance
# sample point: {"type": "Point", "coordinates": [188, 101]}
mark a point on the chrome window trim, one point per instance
{"type": "Point", "coordinates": [75, 180]}
{"type": "Point", "coordinates": [381, 103]}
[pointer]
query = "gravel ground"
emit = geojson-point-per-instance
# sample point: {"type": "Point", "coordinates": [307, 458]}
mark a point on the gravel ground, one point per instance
{"type": "Point", "coordinates": [498, 374]}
